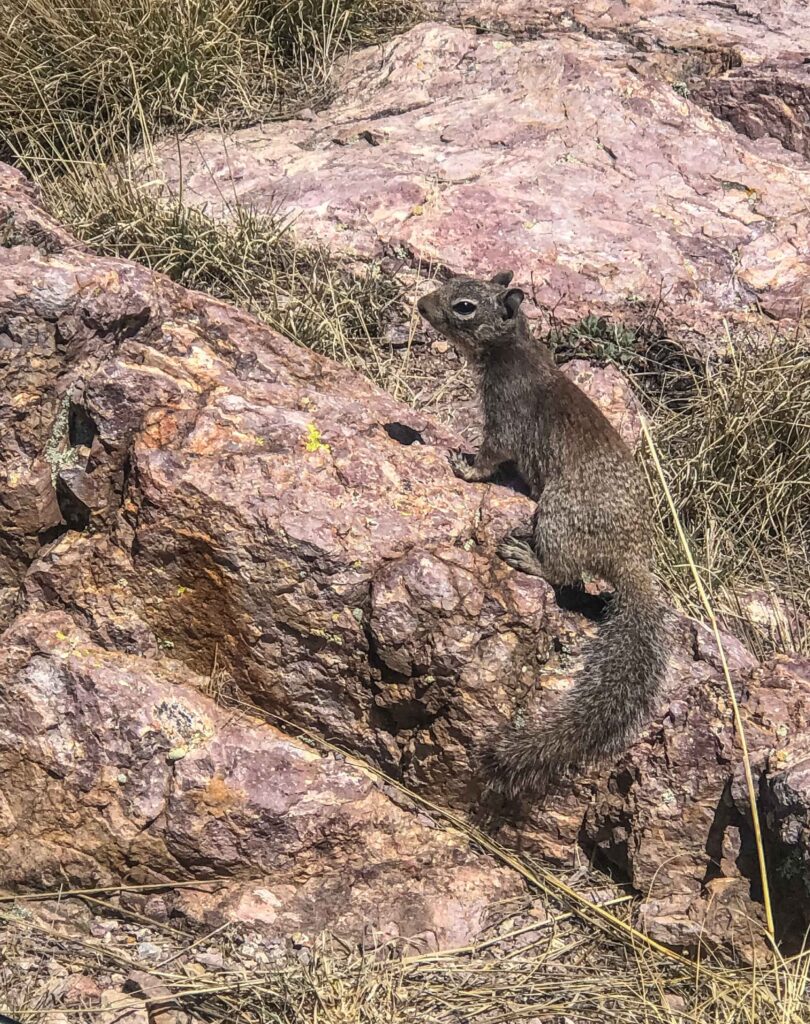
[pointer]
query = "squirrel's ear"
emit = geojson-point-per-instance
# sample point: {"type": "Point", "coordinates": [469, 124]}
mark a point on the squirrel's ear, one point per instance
{"type": "Point", "coordinates": [503, 278]}
{"type": "Point", "coordinates": [511, 300]}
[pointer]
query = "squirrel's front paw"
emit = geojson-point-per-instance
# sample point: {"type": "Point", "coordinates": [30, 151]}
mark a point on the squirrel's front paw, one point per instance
{"type": "Point", "coordinates": [519, 554]}
{"type": "Point", "coordinates": [461, 465]}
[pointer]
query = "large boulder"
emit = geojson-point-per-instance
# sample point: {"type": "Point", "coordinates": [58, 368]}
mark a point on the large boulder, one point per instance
{"type": "Point", "coordinates": [217, 508]}
{"type": "Point", "coordinates": [581, 148]}
{"type": "Point", "coordinates": [115, 766]}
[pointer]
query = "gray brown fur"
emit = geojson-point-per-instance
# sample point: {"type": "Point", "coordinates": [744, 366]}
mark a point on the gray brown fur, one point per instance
{"type": "Point", "coordinates": [592, 519]}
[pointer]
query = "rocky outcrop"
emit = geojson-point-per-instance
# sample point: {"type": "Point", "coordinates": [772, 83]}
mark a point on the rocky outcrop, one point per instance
{"type": "Point", "coordinates": [612, 155]}
{"type": "Point", "coordinates": [751, 31]}
{"type": "Point", "coordinates": [117, 766]}
{"type": "Point", "coordinates": [762, 102]}
{"type": "Point", "coordinates": [216, 509]}
{"type": "Point", "coordinates": [745, 62]}
{"type": "Point", "coordinates": [111, 765]}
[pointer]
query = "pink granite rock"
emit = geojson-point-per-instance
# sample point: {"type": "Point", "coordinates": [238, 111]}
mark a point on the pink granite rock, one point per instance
{"type": "Point", "coordinates": [237, 512]}
{"type": "Point", "coordinates": [578, 158]}
{"type": "Point", "coordinates": [116, 766]}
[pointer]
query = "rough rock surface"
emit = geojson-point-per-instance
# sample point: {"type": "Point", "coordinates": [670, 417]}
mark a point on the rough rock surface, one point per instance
{"type": "Point", "coordinates": [110, 765]}
{"type": "Point", "coordinates": [756, 30]}
{"type": "Point", "coordinates": [214, 502]}
{"type": "Point", "coordinates": [746, 62]}
{"type": "Point", "coordinates": [114, 766]}
{"type": "Point", "coordinates": [610, 154]}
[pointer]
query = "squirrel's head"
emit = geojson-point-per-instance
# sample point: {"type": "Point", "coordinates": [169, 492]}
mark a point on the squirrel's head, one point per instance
{"type": "Point", "coordinates": [474, 314]}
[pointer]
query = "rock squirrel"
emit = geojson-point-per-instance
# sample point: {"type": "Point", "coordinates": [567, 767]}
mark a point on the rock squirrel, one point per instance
{"type": "Point", "coordinates": [592, 517]}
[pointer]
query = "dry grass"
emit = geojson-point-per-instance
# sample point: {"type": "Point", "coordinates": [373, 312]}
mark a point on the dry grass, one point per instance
{"type": "Point", "coordinates": [559, 980]}
{"type": "Point", "coordinates": [737, 460]}
{"type": "Point", "coordinates": [249, 259]}
{"type": "Point", "coordinates": [102, 72]}
{"type": "Point", "coordinates": [733, 431]}
{"type": "Point", "coordinates": [555, 969]}
{"type": "Point", "coordinates": [739, 727]}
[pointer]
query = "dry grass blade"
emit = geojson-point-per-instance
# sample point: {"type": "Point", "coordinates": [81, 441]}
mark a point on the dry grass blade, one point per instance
{"type": "Point", "coordinates": [738, 723]}
{"type": "Point", "coordinates": [58, 894]}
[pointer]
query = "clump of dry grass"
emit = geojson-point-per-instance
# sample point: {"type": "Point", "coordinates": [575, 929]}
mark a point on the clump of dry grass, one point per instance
{"type": "Point", "coordinates": [737, 460]}
{"type": "Point", "coordinates": [556, 970]}
{"type": "Point", "coordinates": [104, 71]}
{"type": "Point", "coordinates": [562, 979]}
{"type": "Point", "coordinates": [250, 259]}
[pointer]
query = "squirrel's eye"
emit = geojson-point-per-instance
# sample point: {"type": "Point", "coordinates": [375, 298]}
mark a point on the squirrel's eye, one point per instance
{"type": "Point", "coordinates": [464, 307]}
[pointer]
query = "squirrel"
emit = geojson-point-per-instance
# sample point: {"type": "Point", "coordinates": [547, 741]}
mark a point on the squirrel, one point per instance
{"type": "Point", "coordinates": [591, 518]}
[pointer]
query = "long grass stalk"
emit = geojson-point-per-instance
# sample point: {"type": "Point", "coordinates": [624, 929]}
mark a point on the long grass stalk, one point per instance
{"type": "Point", "coordinates": [738, 723]}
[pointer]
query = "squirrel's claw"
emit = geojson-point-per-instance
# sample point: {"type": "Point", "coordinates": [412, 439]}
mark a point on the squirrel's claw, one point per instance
{"type": "Point", "coordinates": [461, 465]}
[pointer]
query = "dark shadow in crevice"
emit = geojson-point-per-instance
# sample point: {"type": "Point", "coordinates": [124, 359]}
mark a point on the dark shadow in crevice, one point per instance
{"type": "Point", "coordinates": [507, 475]}
{"type": "Point", "coordinates": [46, 537]}
{"type": "Point", "coordinates": [785, 822]}
{"type": "Point", "coordinates": [75, 513]}
{"type": "Point", "coordinates": [122, 327]}
{"type": "Point", "coordinates": [575, 598]}
{"type": "Point", "coordinates": [403, 434]}
{"type": "Point", "coordinates": [82, 430]}
{"type": "Point", "coordinates": [403, 716]}
{"type": "Point", "coordinates": [611, 865]}
{"type": "Point", "coordinates": [404, 719]}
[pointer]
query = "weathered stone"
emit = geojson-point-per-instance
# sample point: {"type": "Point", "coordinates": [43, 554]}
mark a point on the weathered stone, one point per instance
{"type": "Point", "coordinates": [763, 102]}
{"type": "Point", "coordinates": [575, 158]}
{"type": "Point", "coordinates": [707, 37]}
{"type": "Point", "coordinates": [23, 221]}
{"type": "Point", "coordinates": [114, 766]}
{"type": "Point", "coordinates": [258, 512]}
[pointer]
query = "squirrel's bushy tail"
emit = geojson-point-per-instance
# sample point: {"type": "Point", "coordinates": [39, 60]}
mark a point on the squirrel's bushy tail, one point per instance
{"type": "Point", "coordinates": [625, 666]}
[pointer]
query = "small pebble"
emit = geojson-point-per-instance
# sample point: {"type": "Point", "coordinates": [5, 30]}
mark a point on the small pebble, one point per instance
{"type": "Point", "coordinates": [213, 960]}
{"type": "Point", "coordinates": [148, 950]}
